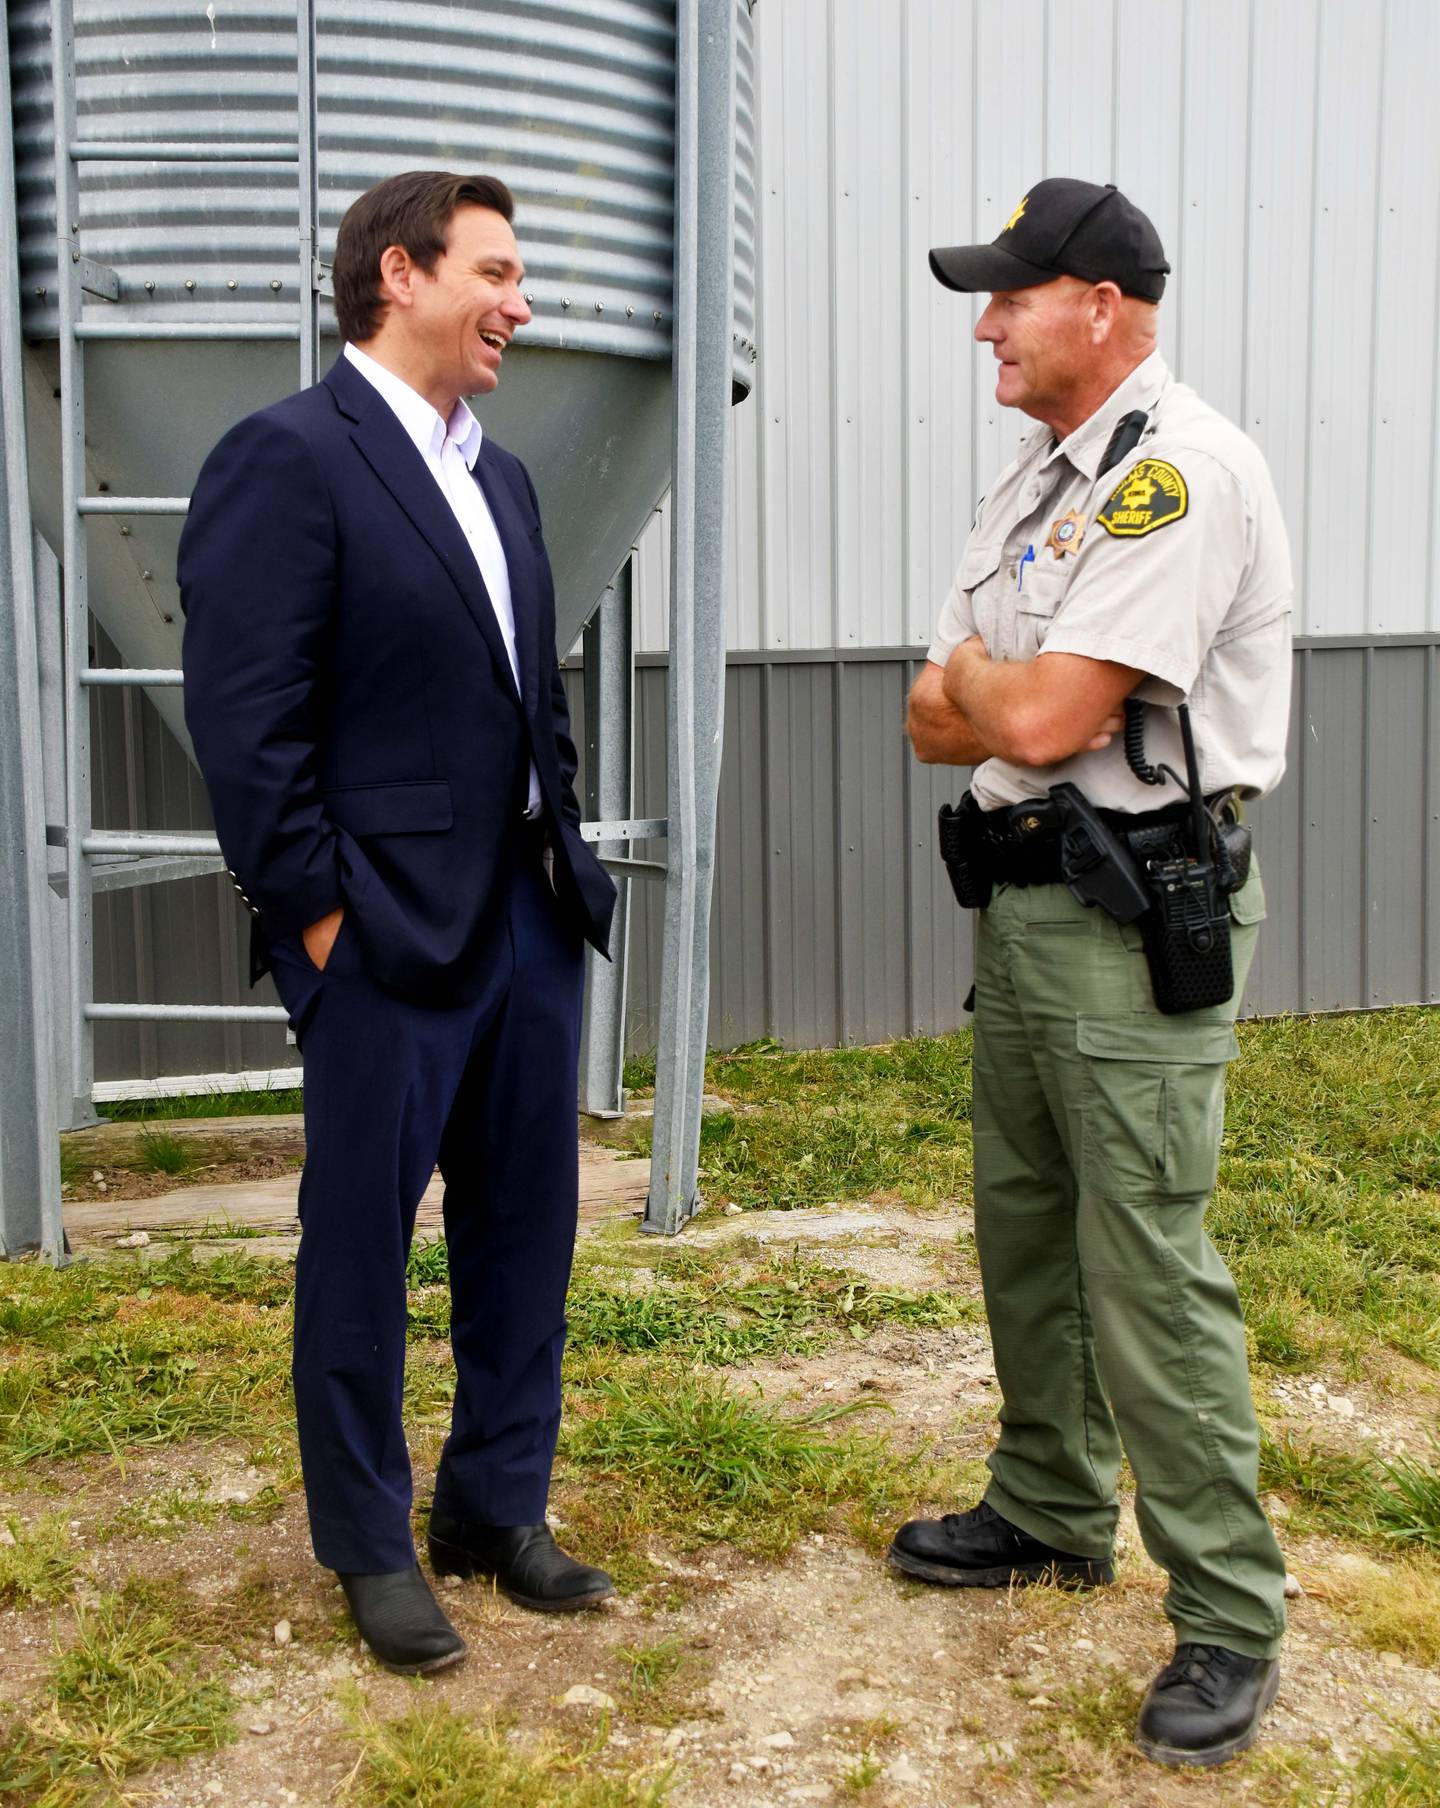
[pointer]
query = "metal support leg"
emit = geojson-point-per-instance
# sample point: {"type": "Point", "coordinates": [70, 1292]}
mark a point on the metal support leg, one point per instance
{"type": "Point", "coordinates": [609, 715]}
{"type": "Point", "coordinates": [70, 1113]}
{"type": "Point", "coordinates": [29, 1140]}
{"type": "Point", "coordinates": [704, 306]}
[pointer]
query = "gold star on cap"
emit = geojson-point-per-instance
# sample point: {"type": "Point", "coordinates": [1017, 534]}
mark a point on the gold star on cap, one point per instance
{"type": "Point", "coordinates": [1011, 222]}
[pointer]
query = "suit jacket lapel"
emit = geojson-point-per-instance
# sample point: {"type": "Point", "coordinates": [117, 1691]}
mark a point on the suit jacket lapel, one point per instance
{"type": "Point", "coordinates": [520, 560]}
{"type": "Point", "coordinates": [391, 454]}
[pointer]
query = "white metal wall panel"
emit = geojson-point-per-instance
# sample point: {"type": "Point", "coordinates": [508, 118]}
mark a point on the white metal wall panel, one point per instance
{"type": "Point", "coordinates": [1149, 123]}
{"type": "Point", "coordinates": [1278, 277]}
{"type": "Point", "coordinates": [867, 363]}
{"type": "Point", "coordinates": [1208, 253]}
{"type": "Point", "coordinates": [939, 371]}
{"type": "Point", "coordinates": [1289, 154]}
{"type": "Point", "coordinates": [1403, 421]}
{"type": "Point", "coordinates": [1007, 99]}
{"type": "Point", "coordinates": [1342, 299]}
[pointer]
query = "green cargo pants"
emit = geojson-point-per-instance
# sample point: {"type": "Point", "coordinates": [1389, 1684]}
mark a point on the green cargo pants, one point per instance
{"type": "Point", "coordinates": [1115, 1323]}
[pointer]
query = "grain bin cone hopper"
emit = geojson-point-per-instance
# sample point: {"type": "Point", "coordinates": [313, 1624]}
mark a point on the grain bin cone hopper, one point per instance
{"type": "Point", "coordinates": [571, 102]}
{"type": "Point", "coordinates": [173, 267]}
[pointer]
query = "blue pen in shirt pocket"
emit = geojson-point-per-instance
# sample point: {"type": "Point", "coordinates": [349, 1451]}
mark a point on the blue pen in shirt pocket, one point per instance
{"type": "Point", "coordinates": [1029, 559]}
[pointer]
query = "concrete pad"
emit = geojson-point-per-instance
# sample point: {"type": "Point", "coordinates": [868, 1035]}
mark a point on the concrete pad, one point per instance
{"type": "Point", "coordinates": [611, 1186]}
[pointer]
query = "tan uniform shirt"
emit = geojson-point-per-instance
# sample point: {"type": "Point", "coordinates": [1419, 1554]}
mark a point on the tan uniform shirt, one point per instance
{"type": "Point", "coordinates": [1175, 562]}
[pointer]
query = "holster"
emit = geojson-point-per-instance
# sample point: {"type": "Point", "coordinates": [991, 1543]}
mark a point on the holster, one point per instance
{"type": "Point", "coordinates": [965, 848]}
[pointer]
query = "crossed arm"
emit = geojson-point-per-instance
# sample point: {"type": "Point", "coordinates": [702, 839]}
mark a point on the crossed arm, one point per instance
{"type": "Point", "coordinates": [1034, 712]}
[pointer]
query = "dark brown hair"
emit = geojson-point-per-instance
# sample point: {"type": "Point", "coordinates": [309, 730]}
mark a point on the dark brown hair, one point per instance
{"type": "Point", "coordinates": [413, 211]}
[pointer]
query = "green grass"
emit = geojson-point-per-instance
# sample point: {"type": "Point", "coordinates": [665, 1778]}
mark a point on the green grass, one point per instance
{"type": "Point", "coordinates": [1403, 1775]}
{"type": "Point", "coordinates": [1382, 1503]}
{"type": "Point", "coordinates": [654, 1691]}
{"type": "Point", "coordinates": [688, 1462]}
{"type": "Point", "coordinates": [257, 1103]}
{"type": "Point", "coordinates": [40, 1566]}
{"type": "Point", "coordinates": [92, 1364]}
{"type": "Point", "coordinates": [692, 1305]}
{"type": "Point", "coordinates": [126, 1691]}
{"type": "Point", "coordinates": [164, 1153]}
{"type": "Point", "coordinates": [1328, 1204]}
{"type": "Point", "coordinates": [437, 1758]}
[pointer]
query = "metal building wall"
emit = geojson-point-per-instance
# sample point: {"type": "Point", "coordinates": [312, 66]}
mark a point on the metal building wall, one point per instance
{"type": "Point", "coordinates": [1288, 151]}
{"type": "Point", "coordinates": [834, 920]}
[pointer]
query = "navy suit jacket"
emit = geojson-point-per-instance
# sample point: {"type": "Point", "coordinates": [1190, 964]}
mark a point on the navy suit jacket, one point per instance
{"type": "Point", "coordinates": [350, 699]}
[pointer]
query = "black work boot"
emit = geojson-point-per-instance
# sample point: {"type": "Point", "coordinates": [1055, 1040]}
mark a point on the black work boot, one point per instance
{"type": "Point", "coordinates": [979, 1549]}
{"type": "Point", "coordinates": [1206, 1705]}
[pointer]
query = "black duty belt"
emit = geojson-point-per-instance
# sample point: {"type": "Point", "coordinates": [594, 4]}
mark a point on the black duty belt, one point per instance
{"type": "Point", "coordinates": [1023, 840]}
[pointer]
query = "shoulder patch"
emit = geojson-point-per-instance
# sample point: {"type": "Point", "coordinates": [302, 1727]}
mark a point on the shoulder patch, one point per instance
{"type": "Point", "coordinates": [1151, 494]}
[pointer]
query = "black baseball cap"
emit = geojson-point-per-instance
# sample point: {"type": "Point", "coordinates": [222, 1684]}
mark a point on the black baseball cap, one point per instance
{"type": "Point", "coordinates": [1063, 227]}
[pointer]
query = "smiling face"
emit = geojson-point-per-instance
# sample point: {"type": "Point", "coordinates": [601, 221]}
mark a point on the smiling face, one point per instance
{"type": "Point", "coordinates": [445, 330]}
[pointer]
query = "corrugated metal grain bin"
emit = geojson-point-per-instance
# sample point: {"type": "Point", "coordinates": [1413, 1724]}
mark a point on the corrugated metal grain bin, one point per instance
{"type": "Point", "coordinates": [570, 101]}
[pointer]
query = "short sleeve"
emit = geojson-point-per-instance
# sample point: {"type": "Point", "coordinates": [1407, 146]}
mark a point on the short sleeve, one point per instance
{"type": "Point", "coordinates": [1159, 567]}
{"type": "Point", "coordinates": [956, 623]}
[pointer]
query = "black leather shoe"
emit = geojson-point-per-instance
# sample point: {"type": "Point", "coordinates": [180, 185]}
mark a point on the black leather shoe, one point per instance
{"type": "Point", "coordinates": [979, 1549]}
{"type": "Point", "coordinates": [402, 1622]}
{"type": "Point", "coordinates": [1206, 1705]}
{"type": "Point", "coordinates": [525, 1562]}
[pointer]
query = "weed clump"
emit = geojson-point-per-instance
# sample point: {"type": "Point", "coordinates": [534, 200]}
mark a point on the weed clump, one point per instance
{"type": "Point", "coordinates": [437, 1758]}
{"type": "Point", "coordinates": [37, 1562]}
{"type": "Point", "coordinates": [127, 1692]}
{"type": "Point", "coordinates": [696, 1464]}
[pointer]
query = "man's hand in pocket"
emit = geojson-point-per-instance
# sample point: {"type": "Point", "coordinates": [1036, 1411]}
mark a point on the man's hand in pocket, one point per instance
{"type": "Point", "coordinates": [319, 938]}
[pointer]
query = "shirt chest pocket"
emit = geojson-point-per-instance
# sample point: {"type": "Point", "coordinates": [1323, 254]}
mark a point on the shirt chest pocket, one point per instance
{"type": "Point", "coordinates": [1036, 603]}
{"type": "Point", "coordinates": [980, 577]}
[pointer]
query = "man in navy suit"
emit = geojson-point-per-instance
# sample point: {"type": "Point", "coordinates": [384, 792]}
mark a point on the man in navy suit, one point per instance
{"type": "Point", "coordinates": [374, 697]}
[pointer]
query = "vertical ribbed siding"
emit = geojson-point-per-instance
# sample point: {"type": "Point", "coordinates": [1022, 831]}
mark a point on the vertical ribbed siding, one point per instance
{"type": "Point", "coordinates": [1289, 153]}
{"type": "Point", "coordinates": [833, 918]}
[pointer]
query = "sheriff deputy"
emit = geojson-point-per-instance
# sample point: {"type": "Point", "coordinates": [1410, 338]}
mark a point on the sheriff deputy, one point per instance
{"type": "Point", "coordinates": [1097, 1119]}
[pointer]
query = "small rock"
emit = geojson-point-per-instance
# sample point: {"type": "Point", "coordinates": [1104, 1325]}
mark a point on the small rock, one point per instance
{"type": "Point", "coordinates": [1392, 1660]}
{"type": "Point", "coordinates": [584, 1696]}
{"type": "Point", "coordinates": [1084, 1644]}
{"type": "Point", "coordinates": [781, 1741]}
{"type": "Point", "coordinates": [738, 1773]}
{"type": "Point", "coordinates": [852, 1679]}
{"type": "Point", "coordinates": [761, 1765]}
{"type": "Point", "coordinates": [259, 1728]}
{"type": "Point", "coordinates": [733, 1211]}
{"type": "Point", "coordinates": [902, 1771]}
{"type": "Point", "coordinates": [937, 1657]}
{"type": "Point", "coordinates": [283, 1634]}
{"type": "Point", "coordinates": [6, 1535]}
{"type": "Point", "coordinates": [1340, 1406]}
{"type": "Point", "coordinates": [138, 1239]}
{"type": "Point", "coordinates": [96, 1176]}
{"type": "Point", "coordinates": [762, 1681]}
{"type": "Point", "coordinates": [1276, 1508]}
{"type": "Point", "coordinates": [673, 1740]}
{"type": "Point", "coordinates": [1293, 1587]}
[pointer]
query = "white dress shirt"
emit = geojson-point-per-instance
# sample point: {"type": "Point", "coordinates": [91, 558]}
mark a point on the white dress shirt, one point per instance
{"type": "Point", "coordinates": [450, 449]}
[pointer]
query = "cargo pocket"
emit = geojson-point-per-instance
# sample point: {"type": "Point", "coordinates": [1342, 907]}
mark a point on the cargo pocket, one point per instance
{"type": "Point", "coordinates": [1154, 1103]}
